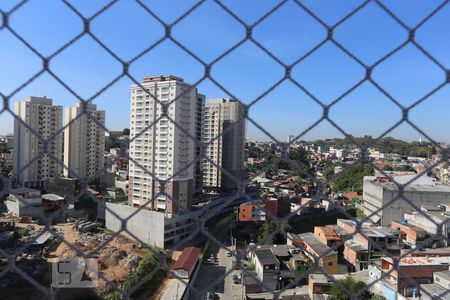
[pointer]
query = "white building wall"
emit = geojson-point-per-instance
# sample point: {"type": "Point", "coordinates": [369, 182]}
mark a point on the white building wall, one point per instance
{"type": "Point", "coordinates": [31, 166]}
{"type": "Point", "coordinates": [159, 146]}
{"type": "Point", "coordinates": [84, 142]}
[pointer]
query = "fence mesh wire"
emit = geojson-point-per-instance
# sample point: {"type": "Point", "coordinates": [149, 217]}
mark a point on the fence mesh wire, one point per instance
{"type": "Point", "coordinates": [213, 241]}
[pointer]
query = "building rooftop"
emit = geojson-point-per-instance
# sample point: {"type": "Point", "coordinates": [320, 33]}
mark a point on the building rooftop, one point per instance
{"type": "Point", "coordinates": [432, 289]}
{"type": "Point", "coordinates": [413, 227]}
{"type": "Point", "coordinates": [314, 243]}
{"type": "Point", "coordinates": [355, 246]}
{"type": "Point", "coordinates": [444, 251]}
{"type": "Point", "coordinates": [421, 260]}
{"type": "Point", "coordinates": [39, 100]}
{"type": "Point", "coordinates": [266, 257]}
{"type": "Point", "coordinates": [277, 250]}
{"type": "Point", "coordinates": [419, 185]}
{"type": "Point", "coordinates": [23, 189]}
{"type": "Point", "coordinates": [444, 274]}
{"type": "Point", "coordinates": [187, 259]}
{"type": "Point", "coordinates": [161, 78]}
{"type": "Point", "coordinates": [52, 197]}
{"type": "Point", "coordinates": [330, 233]}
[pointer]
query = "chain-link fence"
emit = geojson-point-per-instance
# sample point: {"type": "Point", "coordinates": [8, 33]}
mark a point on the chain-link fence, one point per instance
{"type": "Point", "coordinates": [13, 257]}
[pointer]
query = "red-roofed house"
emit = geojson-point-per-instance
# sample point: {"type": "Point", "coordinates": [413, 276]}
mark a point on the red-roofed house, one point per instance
{"type": "Point", "coordinates": [185, 265]}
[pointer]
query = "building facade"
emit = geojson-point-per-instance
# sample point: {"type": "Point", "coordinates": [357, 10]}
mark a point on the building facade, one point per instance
{"type": "Point", "coordinates": [224, 139]}
{"type": "Point", "coordinates": [383, 204]}
{"type": "Point", "coordinates": [84, 142]}
{"type": "Point", "coordinates": [160, 149]}
{"type": "Point", "coordinates": [32, 167]}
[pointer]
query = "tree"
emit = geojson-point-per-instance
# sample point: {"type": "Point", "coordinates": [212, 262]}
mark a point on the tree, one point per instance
{"type": "Point", "coordinates": [344, 289]}
{"type": "Point", "coordinates": [110, 143]}
{"type": "Point", "coordinates": [388, 168]}
{"type": "Point", "coordinates": [352, 179]}
{"type": "Point", "coordinates": [268, 234]}
{"type": "Point", "coordinates": [126, 131]}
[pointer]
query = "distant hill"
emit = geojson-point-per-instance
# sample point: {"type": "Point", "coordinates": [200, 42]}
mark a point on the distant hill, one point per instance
{"type": "Point", "coordinates": [386, 144]}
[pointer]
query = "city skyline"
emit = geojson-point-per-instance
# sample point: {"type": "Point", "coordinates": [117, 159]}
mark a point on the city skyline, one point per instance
{"type": "Point", "coordinates": [246, 72]}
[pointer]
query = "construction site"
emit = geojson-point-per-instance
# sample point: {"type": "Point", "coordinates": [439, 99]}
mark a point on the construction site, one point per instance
{"type": "Point", "coordinates": [34, 248]}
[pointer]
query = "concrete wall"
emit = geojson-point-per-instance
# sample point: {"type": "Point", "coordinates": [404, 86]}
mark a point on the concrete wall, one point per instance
{"type": "Point", "coordinates": [375, 196]}
{"type": "Point", "coordinates": [146, 225]}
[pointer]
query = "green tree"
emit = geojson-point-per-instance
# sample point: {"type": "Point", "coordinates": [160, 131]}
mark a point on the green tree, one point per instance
{"type": "Point", "coordinates": [344, 289]}
{"type": "Point", "coordinates": [126, 131]}
{"type": "Point", "coordinates": [268, 234]}
{"type": "Point", "coordinates": [352, 179]}
{"type": "Point", "coordinates": [110, 143]}
{"type": "Point", "coordinates": [388, 168]}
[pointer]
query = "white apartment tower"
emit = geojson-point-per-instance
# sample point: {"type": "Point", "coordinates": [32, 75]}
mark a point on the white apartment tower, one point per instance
{"type": "Point", "coordinates": [163, 149]}
{"type": "Point", "coordinates": [84, 141]}
{"type": "Point", "coordinates": [224, 140]}
{"type": "Point", "coordinates": [45, 119]}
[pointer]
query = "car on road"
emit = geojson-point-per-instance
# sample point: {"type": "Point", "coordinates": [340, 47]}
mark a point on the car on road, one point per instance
{"type": "Point", "coordinates": [229, 254]}
{"type": "Point", "coordinates": [236, 279]}
{"type": "Point", "coordinates": [211, 296]}
{"type": "Point", "coordinates": [209, 261]}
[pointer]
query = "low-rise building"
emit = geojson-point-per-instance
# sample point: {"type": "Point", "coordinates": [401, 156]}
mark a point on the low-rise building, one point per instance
{"type": "Point", "coordinates": [267, 267]}
{"type": "Point", "coordinates": [322, 255]}
{"type": "Point", "coordinates": [319, 285]}
{"type": "Point", "coordinates": [333, 236]}
{"type": "Point", "coordinates": [251, 212]}
{"type": "Point", "coordinates": [410, 273]}
{"type": "Point", "coordinates": [415, 236]}
{"type": "Point", "coordinates": [434, 222]}
{"type": "Point", "coordinates": [185, 265]}
{"type": "Point", "coordinates": [439, 290]}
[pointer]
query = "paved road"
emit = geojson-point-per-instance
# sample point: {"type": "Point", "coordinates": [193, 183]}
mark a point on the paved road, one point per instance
{"type": "Point", "coordinates": [211, 277]}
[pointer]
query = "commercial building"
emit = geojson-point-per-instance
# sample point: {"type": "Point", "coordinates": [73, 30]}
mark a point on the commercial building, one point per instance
{"type": "Point", "coordinates": [32, 164]}
{"type": "Point", "coordinates": [84, 141]}
{"type": "Point", "coordinates": [160, 149]}
{"type": "Point", "coordinates": [224, 139]}
{"type": "Point", "coordinates": [379, 195]}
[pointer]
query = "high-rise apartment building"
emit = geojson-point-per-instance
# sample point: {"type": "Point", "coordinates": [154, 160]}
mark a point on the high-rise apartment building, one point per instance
{"type": "Point", "coordinates": [32, 167]}
{"type": "Point", "coordinates": [224, 140]}
{"type": "Point", "coordinates": [84, 141]}
{"type": "Point", "coordinates": [161, 150]}
{"type": "Point", "coordinates": [199, 111]}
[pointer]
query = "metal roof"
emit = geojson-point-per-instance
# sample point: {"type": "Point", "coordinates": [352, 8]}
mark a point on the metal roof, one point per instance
{"type": "Point", "coordinates": [187, 259]}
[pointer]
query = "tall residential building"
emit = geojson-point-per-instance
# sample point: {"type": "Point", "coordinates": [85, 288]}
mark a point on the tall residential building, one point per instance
{"type": "Point", "coordinates": [224, 140]}
{"type": "Point", "coordinates": [84, 141]}
{"type": "Point", "coordinates": [44, 118]}
{"type": "Point", "coordinates": [162, 148]}
{"type": "Point", "coordinates": [199, 111]}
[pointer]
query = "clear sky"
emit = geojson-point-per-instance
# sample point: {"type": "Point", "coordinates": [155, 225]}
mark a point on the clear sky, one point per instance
{"type": "Point", "coordinates": [247, 72]}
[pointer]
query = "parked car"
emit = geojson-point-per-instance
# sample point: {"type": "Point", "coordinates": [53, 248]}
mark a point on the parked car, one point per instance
{"type": "Point", "coordinates": [209, 261]}
{"type": "Point", "coordinates": [236, 279]}
{"type": "Point", "coordinates": [211, 296]}
{"type": "Point", "coordinates": [229, 254]}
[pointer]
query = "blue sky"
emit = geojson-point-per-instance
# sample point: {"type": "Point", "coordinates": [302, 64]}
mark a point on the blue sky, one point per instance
{"type": "Point", "coordinates": [247, 72]}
